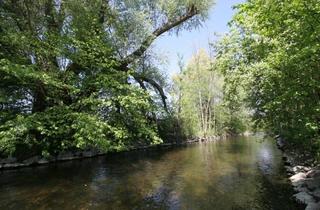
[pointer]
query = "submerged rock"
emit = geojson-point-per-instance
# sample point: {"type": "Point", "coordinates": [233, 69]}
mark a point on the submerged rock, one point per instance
{"type": "Point", "coordinates": [313, 183]}
{"type": "Point", "coordinates": [313, 206]}
{"type": "Point", "coordinates": [304, 198]}
{"type": "Point", "coordinates": [316, 193]}
{"type": "Point", "coordinates": [300, 186]}
{"type": "Point", "coordinates": [313, 173]}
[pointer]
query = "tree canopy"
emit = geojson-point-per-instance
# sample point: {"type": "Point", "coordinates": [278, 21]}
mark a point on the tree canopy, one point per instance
{"type": "Point", "coordinates": [73, 74]}
{"type": "Point", "coordinates": [202, 102]}
{"type": "Point", "coordinates": [77, 75]}
{"type": "Point", "coordinates": [272, 52]}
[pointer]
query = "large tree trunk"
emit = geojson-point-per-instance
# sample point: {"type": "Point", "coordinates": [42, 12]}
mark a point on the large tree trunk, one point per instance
{"type": "Point", "coordinates": [39, 99]}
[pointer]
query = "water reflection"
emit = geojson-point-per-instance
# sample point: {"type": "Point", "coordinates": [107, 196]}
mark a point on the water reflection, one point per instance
{"type": "Point", "coordinates": [243, 173]}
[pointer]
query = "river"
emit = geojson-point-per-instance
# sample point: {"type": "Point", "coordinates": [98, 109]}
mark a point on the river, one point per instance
{"type": "Point", "coordinates": [240, 173]}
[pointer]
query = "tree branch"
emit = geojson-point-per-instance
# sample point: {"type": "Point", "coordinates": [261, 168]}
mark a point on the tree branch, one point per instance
{"type": "Point", "coordinates": [191, 11]}
{"type": "Point", "coordinates": [140, 79]}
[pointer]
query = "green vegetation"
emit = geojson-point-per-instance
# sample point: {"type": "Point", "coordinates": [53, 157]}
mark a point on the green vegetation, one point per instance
{"type": "Point", "coordinates": [272, 52]}
{"type": "Point", "coordinates": [77, 75]}
{"type": "Point", "coordinates": [200, 102]}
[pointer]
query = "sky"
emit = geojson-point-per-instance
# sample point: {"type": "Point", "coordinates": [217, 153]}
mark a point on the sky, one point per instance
{"type": "Point", "coordinates": [187, 42]}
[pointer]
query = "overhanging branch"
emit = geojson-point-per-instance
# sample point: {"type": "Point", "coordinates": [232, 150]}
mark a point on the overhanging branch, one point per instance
{"type": "Point", "coordinates": [140, 79]}
{"type": "Point", "coordinates": [191, 11]}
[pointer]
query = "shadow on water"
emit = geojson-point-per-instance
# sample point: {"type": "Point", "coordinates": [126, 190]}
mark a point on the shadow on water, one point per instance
{"type": "Point", "coordinates": [242, 173]}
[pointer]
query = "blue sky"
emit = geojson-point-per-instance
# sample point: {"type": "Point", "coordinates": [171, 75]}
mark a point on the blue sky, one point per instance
{"type": "Point", "coordinates": [187, 42]}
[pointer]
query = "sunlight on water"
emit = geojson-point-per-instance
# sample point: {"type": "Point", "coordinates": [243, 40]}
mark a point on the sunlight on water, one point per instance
{"type": "Point", "coordinates": [242, 173]}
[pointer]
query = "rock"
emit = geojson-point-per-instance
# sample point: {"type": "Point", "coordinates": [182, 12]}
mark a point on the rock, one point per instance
{"type": "Point", "coordinates": [313, 206]}
{"type": "Point", "coordinates": [298, 177]}
{"type": "Point", "coordinates": [306, 180]}
{"type": "Point", "coordinates": [289, 174]}
{"type": "Point", "coordinates": [297, 169]}
{"type": "Point", "coordinates": [89, 153]}
{"type": "Point", "coordinates": [287, 159]}
{"type": "Point", "coordinates": [280, 143]}
{"type": "Point", "coordinates": [287, 163]}
{"type": "Point", "coordinates": [300, 186]}
{"type": "Point", "coordinates": [13, 165]}
{"type": "Point", "coordinates": [65, 156]}
{"type": "Point", "coordinates": [8, 160]}
{"type": "Point", "coordinates": [289, 169]}
{"type": "Point", "coordinates": [301, 189]}
{"type": "Point", "coordinates": [316, 193]}
{"type": "Point", "coordinates": [304, 198]}
{"type": "Point", "coordinates": [313, 173]}
{"type": "Point", "coordinates": [43, 161]}
{"type": "Point", "coordinates": [313, 183]}
{"type": "Point", "coordinates": [32, 160]}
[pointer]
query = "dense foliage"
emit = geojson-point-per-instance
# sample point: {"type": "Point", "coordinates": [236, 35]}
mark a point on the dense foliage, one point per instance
{"type": "Point", "coordinates": [202, 104]}
{"type": "Point", "coordinates": [273, 53]}
{"type": "Point", "coordinates": [77, 74]}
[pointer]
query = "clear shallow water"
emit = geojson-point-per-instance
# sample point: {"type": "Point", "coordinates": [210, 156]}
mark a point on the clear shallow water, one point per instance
{"type": "Point", "coordinates": [242, 173]}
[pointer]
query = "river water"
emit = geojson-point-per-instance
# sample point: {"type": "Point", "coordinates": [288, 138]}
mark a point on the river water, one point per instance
{"type": "Point", "coordinates": [242, 173]}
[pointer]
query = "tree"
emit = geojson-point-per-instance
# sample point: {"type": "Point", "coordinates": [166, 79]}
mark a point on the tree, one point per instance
{"type": "Point", "coordinates": [274, 47]}
{"type": "Point", "coordinates": [69, 69]}
{"type": "Point", "coordinates": [198, 96]}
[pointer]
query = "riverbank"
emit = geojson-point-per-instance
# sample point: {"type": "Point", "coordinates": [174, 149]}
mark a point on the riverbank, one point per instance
{"type": "Point", "coordinates": [13, 163]}
{"type": "Point", "coordinates": [304, 174]}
